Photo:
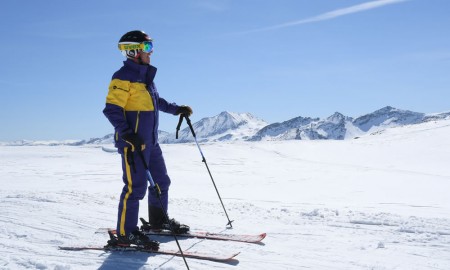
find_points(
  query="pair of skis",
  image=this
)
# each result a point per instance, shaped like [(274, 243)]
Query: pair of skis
[(193, 234), (198, 234)]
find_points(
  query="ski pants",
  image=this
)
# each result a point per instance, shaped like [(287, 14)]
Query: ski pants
[(135, 185)]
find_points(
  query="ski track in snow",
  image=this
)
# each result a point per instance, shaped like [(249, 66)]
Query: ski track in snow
[(380, 202)]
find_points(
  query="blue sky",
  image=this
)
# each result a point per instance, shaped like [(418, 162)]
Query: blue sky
[(274, 59)]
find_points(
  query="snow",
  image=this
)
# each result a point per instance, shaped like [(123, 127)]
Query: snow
[(377, 202)]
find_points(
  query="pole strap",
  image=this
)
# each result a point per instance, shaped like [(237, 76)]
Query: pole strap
[(179, 124), (180, 121)]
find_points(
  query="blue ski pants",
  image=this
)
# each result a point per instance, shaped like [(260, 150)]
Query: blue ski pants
[(135, 185)]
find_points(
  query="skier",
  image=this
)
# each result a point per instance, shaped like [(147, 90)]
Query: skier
[(132, 107)]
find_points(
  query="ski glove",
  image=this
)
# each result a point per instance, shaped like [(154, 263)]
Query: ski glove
[(186, 110), (134, 141)]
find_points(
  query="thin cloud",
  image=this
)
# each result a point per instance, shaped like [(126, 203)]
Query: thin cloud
[(331, 15)]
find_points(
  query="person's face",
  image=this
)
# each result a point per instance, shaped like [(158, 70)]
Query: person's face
[(145, 57)]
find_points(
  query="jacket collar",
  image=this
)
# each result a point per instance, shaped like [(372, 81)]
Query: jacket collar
[(146, 72)]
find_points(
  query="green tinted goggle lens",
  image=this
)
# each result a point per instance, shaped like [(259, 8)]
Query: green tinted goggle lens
[(148, 46)]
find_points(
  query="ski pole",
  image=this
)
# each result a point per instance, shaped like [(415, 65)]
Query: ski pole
[(204, 161), (155, 187), (179, 125)]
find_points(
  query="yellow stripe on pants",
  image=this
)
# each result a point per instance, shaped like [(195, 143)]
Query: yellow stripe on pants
[(130, 190)]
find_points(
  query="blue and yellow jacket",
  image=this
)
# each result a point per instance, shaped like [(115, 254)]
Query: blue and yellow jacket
[(133, 103)]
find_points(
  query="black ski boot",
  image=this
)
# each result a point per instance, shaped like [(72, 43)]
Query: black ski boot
[(137, 238), (157, 222)]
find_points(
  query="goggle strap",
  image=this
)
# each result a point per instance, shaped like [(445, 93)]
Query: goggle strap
[(131, 46)]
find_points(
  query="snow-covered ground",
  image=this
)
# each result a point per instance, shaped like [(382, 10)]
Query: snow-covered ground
[(378, 202)]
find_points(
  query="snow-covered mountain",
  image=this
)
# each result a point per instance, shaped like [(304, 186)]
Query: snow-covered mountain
[(300, 128), (340, 127), (388, 117), (285, 130), (227, 126)]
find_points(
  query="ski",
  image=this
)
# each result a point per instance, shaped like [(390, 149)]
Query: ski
[(213, 236), (187, 254), (246, 238)]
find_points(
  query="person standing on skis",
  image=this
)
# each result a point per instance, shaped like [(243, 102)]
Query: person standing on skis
[(132, 107)]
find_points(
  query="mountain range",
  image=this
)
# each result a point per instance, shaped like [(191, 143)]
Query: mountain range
[(229, 126), (340, 127)]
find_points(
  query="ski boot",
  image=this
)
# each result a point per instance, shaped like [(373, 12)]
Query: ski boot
[(158, 222), (136, 238)]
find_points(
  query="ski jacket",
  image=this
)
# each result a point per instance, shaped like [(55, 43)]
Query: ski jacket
[(133, 103)]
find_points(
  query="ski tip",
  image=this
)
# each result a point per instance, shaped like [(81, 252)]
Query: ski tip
[(263, 235), (231, 258)]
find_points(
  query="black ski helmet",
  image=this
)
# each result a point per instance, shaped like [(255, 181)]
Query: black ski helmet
[(133, 37)]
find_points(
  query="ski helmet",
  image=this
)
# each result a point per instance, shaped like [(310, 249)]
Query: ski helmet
[(134, 42)]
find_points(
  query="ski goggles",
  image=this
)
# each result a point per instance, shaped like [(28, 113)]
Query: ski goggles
[(146, 46)]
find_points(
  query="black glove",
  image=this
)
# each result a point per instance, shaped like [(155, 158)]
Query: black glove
[(134, 140), (186, 110)]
